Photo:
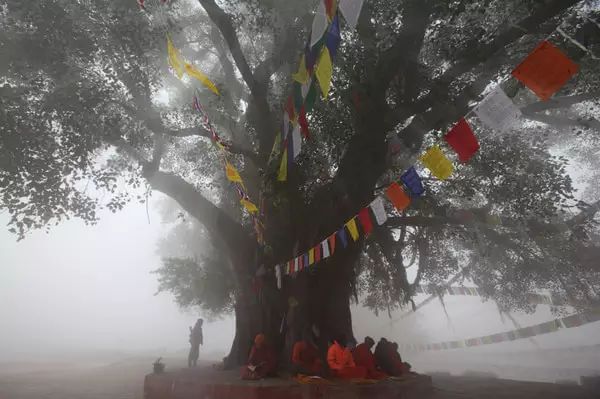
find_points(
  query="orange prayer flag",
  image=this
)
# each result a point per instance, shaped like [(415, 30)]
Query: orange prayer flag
[(545, 70), (397, 196)]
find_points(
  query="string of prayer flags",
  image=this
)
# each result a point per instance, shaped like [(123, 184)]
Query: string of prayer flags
[(352, 229), (545, 70), (435, 160), (324, 71), (174, 58), (351, 10), (232, 173), (201, 77), (378, 211), (462, 139), (365, 221), (397, 196), (497, 111), (412, 181)]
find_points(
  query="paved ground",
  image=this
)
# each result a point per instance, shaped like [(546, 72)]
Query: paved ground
[(124, 380)]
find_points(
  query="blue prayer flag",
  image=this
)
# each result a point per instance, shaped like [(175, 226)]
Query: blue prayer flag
[(413, 182), (343, 236)]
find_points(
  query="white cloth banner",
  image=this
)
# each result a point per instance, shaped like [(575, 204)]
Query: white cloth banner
[(296, 141), (497, 111), (351, 10), (379, 211), (319, 25), (305, 88), (324, 249), (278, 275)]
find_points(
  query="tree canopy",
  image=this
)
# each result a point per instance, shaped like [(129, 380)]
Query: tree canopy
[(88, 100)]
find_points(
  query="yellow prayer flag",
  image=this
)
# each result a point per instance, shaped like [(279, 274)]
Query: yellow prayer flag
[(195, 73), (311, 256), (435, 160), (250, 207), (324, 70), (174, 58), (352, 228), (282, 176), (276, 145), (302, 75), (232, 173)]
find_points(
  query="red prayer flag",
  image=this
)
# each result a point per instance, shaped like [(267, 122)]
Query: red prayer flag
[(303, 123), (397, 195), (317, 250), (462, 139), (331, 240), (545, 70), (365, 221), (289, 108), (330, 8)]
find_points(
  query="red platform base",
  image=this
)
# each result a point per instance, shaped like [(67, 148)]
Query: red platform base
[(206, 383)]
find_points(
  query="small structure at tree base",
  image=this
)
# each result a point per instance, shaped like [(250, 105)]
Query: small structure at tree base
[(200, 383)]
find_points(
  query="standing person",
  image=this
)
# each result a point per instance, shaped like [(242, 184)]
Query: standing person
[(196, 339)]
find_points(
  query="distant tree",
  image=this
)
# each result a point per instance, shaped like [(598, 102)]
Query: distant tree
[(82, 111)]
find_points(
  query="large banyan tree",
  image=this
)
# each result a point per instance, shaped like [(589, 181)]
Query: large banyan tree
[(91, 114)]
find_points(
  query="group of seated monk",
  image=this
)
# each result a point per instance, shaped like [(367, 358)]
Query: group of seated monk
[(342, 362)]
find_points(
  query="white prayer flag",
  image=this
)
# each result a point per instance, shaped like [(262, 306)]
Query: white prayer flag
[(324, 249), (497, 111), (278, 275), (286, 124), (351, 10), (319, 25), (305, 88), (295, 264), (296, 141), (378, 210)]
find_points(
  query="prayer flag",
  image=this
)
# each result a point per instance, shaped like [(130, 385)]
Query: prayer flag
[(497, 111), (352, 228), (297, 261), (311, 256), (343, 237), (275, 149), (413, 182), (296, 142), (319, 25), (249, 205), (278, 275), (174, 58), (303, 122), (435, 160), (289, 108), (282, 175), (331, 240), (324, 70), (305, 88), (305, 261), (351, 10), (397, 196), (317, 250), (330, 8), (302, 75), (311, 97), (545, 70), (298, 99), (286, 126), (365, 221), (195, 73), (325, 248), (332, 38), (232, 173), (462, 140), (379, 211), (311, 54)]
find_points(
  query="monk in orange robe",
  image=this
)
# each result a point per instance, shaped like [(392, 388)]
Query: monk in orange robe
[(340, 361), (261, 362), (364, 357), (305, 357)]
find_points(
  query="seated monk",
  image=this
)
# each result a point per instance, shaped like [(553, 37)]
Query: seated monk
[(364, 358), (340, 360), (400, 367), (261, 362), (305, 357), (383, 360)]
